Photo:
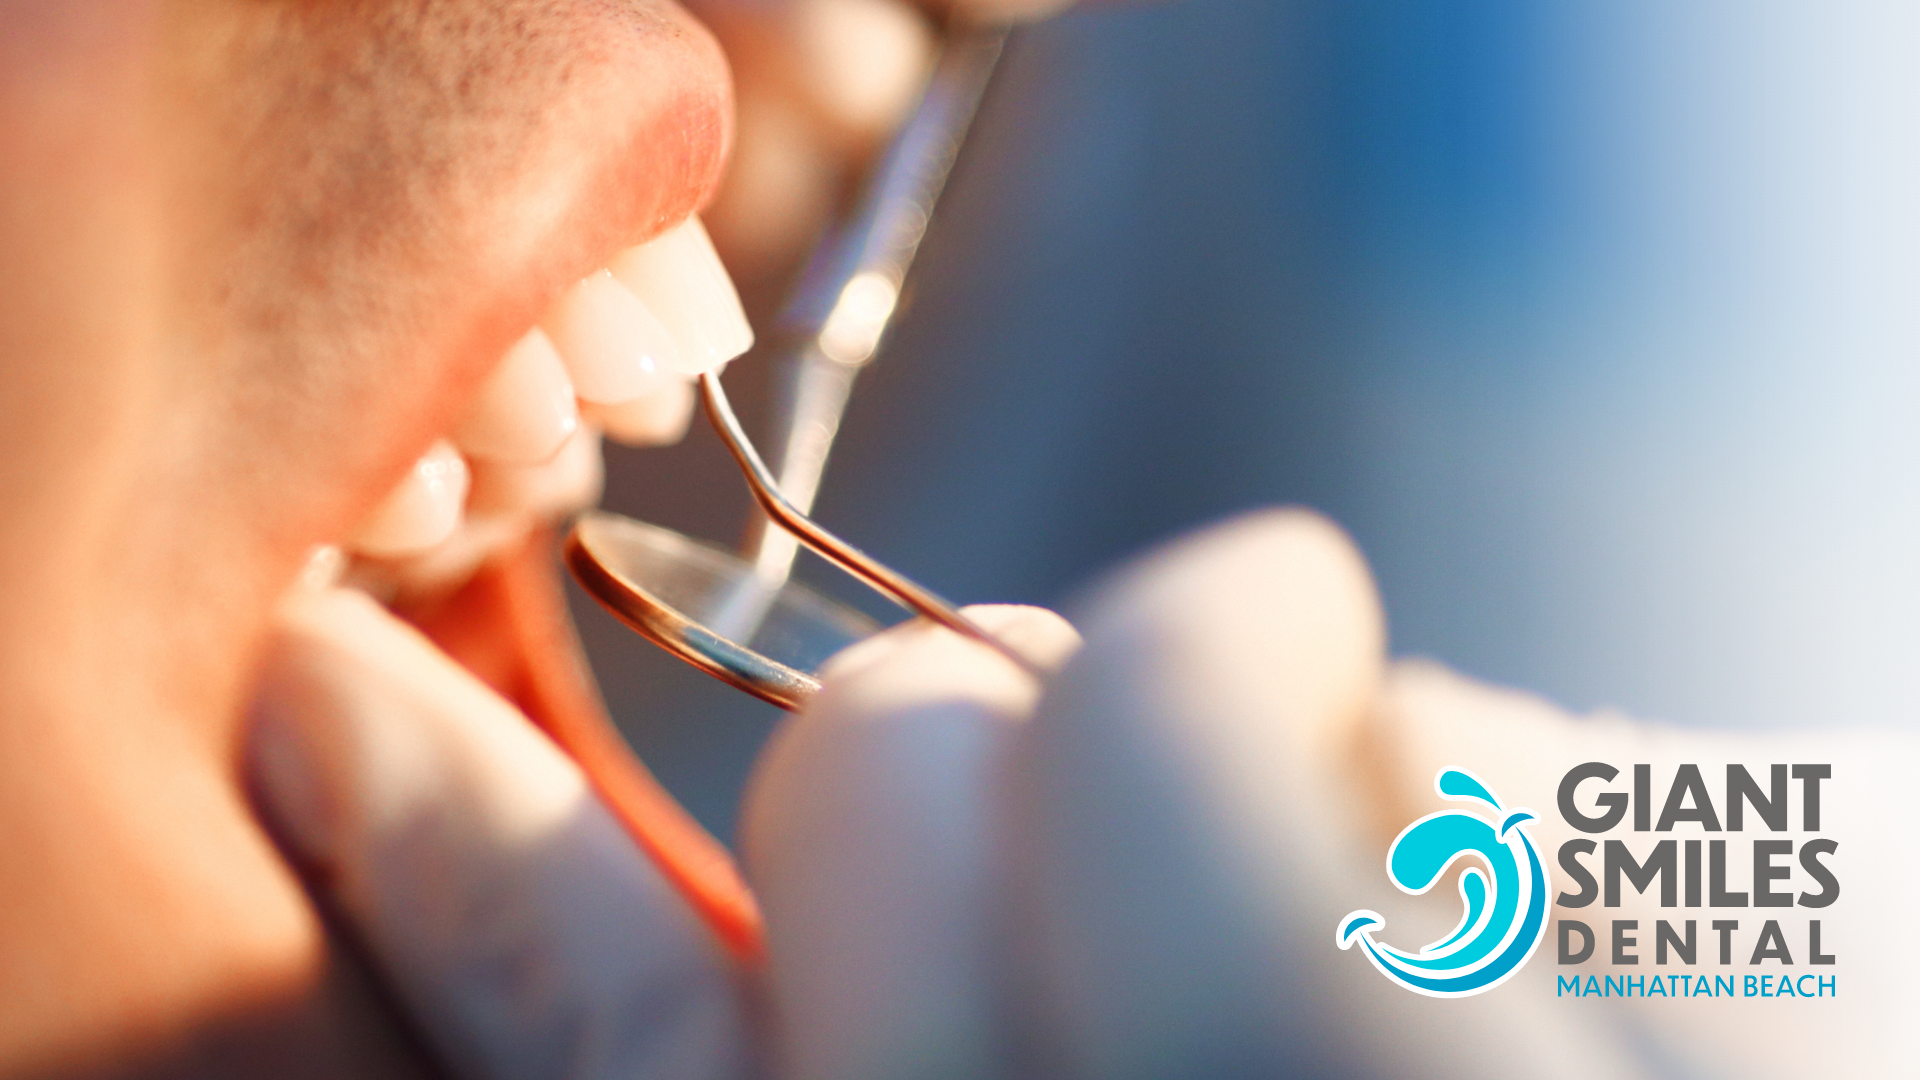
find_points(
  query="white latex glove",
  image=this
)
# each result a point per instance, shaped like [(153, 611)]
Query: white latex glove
[(1142, 878), (1136, 873), (513, 917), (819, 86)]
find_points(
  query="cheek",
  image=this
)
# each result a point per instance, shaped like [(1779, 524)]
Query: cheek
[(79, 229)]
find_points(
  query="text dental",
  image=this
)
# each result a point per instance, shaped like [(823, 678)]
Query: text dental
[(1693, 874)]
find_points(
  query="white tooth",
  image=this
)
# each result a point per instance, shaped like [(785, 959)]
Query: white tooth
[(441, 570), (659, 419), (505, 502), (422, 511), (565, 485), (613, 345), (679, 277), (525, 409), (324, 566)]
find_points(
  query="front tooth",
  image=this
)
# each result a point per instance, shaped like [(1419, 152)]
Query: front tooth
[(679, 277), (525, 409), (422, 511), (659, 419), (613, 345), (503, 503), (324, 566), (569, 483)]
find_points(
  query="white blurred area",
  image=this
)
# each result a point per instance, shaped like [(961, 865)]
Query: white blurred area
[(1662, 451)]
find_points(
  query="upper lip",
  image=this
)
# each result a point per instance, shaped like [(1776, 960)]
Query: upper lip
[(603, 127), (380, 236), (632, 141), (622, 138)]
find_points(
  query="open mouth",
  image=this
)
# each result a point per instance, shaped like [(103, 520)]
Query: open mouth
[(498, 270), (461, 546), (616, 356)]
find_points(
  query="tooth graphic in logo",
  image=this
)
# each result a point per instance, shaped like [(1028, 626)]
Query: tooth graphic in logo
[(1505, 918)]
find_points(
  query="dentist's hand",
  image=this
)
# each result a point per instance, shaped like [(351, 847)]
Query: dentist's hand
[(511, 915), (1141, 875), (1133, 871), (514, 919), (819, 86)]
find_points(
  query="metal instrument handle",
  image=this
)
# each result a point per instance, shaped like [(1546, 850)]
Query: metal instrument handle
[(850, 290)]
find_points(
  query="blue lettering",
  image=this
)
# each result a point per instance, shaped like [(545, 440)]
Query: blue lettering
[(1722, 985), (1800, 985), (1786, 986), (1829, 982), (1562, 984), (1752, 986), (1593, 987)]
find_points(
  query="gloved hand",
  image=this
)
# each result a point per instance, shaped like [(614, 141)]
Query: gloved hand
[(819, 87), (512, 916), (1133, 871)]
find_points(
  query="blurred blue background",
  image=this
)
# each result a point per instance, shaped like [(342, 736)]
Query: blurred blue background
[(1597, 324)]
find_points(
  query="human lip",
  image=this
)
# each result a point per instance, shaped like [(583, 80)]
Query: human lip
[(594, 334)]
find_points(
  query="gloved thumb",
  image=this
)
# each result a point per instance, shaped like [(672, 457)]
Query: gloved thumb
[(510, 913)]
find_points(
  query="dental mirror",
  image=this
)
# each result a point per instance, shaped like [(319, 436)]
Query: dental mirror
[(739, 616)]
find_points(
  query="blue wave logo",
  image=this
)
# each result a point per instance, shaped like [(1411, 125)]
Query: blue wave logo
[(1506, 913)]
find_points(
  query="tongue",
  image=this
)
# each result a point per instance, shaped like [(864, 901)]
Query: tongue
[(510, 627)]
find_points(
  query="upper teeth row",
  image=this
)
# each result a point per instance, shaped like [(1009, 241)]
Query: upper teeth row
[(619, 349)]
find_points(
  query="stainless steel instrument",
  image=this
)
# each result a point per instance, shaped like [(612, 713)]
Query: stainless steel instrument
[(740, 617)]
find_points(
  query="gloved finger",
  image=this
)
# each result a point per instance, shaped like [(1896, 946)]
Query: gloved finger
[(1193, 806), (867, 836), (851, 68), (819, 85), (819, 88), (510, 913), (998, 11)]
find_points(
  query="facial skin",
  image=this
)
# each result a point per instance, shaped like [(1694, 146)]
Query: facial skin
[(259, 254)]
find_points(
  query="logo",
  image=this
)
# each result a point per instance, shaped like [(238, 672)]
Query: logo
[(1506, 914)]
